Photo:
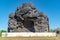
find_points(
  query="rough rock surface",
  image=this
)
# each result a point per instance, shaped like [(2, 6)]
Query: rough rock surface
[(28, 19)]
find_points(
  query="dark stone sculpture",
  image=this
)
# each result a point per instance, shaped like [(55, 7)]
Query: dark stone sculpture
[(28, 19)]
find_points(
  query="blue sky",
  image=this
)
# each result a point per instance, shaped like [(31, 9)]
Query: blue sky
[(50, 7)]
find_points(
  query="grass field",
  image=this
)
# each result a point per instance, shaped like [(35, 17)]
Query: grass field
[(29, 38)]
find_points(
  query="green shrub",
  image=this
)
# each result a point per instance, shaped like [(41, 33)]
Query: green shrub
[(2, 31)]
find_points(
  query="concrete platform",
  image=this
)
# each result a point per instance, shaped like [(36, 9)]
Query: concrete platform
[(28, 34)]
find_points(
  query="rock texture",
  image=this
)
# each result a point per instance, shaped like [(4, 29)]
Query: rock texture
[(28, 19)]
